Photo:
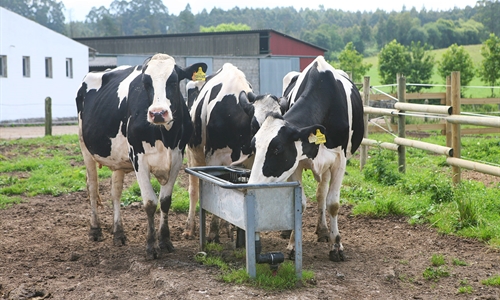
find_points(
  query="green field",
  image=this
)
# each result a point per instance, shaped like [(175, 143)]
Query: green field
[(476, 89)]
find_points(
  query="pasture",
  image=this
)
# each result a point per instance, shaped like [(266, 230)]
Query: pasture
[(395, 249)]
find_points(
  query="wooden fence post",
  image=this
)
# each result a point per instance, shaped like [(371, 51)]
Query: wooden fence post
[(366, 102), (455, 127), (448, 103), (401, 123), (48, 116)]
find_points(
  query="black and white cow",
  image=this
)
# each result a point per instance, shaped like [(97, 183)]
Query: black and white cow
[(226, 114), (134, 118), (321, 130)]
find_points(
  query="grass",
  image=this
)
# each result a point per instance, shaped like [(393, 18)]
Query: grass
[(492, 281), (438, 260), (435, 274), (458, 262), (283, 278), (425, 193), (464, 287)]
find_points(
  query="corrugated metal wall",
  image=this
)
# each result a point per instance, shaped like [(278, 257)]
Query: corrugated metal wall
[(272, 71), (240, 44)]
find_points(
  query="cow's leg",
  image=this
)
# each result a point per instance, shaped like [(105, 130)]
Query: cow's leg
[(95, 233), (194, 191), (333, 206), (164, 242), (150, 203), (119, 237), (213, 233), (194, 194), (321, 193)]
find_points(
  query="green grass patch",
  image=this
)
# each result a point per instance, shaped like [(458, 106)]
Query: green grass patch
[(180, 196), (50, 165), (438, 260), (464, 287), (231, 264), (6, 201), (458, 262), (492, 281), (435, 274), (425, 194)]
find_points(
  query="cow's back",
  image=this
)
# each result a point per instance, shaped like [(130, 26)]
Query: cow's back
[(102, 103), (324, 95), (219, 119)]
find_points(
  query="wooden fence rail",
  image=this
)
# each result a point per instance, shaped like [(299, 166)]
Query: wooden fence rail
[(451, 121)]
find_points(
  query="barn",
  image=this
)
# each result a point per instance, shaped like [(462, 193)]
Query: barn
[(265, 56), (35, 63)]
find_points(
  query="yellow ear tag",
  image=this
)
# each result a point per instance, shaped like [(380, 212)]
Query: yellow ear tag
[(199, 75), (318, 138)]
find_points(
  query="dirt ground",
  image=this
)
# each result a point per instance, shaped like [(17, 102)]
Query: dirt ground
[(45, 254)]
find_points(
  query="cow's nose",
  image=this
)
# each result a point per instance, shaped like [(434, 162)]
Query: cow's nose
[(158, 116)]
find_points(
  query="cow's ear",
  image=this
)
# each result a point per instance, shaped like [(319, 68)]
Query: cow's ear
[(251, 97), (245, 104), (314, 134), (284, 103), (188, 72), (145, 63)]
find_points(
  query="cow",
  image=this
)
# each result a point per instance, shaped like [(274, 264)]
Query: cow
[(322, 128), (226, 114), (193, 88), (134, 118)]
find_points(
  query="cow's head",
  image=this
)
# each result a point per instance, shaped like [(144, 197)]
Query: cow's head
[(279, 147), (161, 77), (258, 107)]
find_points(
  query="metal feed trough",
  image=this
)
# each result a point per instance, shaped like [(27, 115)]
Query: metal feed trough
[(252, 207)]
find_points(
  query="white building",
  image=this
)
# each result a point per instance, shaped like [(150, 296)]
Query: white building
[(35, 63)]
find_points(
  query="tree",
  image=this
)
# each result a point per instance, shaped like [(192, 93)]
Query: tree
[(420, 66), (489, 14), (392, 59), (489, 71), (103, 23), (48, 13), (351, 61), (457, 59), (225, 27), (186, 21)]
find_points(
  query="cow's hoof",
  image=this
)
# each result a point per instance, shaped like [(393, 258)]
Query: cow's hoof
[(336, 255), (212, 238), (291, 255), (151, 253), (166, 247), (95, 234), (119, 239), (285, 234), (188, 234), (323, 235)]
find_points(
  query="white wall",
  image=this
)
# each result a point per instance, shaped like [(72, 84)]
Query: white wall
[(24, 98)]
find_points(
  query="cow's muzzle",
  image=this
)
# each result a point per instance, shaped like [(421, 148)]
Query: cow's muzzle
[(158, 117)]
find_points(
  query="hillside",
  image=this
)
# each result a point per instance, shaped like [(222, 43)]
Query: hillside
[(473, 50)]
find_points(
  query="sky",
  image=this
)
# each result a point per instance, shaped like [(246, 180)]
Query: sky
[(76, 10)]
